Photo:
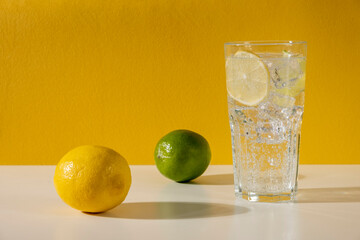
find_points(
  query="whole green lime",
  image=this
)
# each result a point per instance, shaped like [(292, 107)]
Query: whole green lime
[(182, 155)]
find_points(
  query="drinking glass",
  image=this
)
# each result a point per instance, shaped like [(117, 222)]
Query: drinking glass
[(265, 83)]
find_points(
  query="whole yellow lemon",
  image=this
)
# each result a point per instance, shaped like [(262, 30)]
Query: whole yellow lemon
[(92, 178)]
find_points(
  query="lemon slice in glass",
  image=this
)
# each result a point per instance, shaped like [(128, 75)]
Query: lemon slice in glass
[(247, 78)]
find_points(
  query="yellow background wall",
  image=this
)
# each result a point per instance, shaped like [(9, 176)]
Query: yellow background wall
[(124, 73)]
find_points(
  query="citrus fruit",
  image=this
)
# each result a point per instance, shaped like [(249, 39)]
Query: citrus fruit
[(92, 178), (247, 78), (182, 155)]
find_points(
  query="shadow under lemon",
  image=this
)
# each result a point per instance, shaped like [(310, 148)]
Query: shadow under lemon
[(172, 210)]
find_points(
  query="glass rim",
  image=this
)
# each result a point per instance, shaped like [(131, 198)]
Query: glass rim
[(264, 43)]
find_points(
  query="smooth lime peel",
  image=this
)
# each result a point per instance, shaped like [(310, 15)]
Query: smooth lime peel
[(182, 155)]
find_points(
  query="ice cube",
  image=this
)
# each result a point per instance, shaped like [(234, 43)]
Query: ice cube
[(276, 106), (270, 132), (284, 72), (266, 110), (282, 101)]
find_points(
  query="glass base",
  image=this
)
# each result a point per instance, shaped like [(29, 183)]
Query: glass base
[(256, 197)]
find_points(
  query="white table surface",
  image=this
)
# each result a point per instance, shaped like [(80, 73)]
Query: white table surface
[(328, 207)]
